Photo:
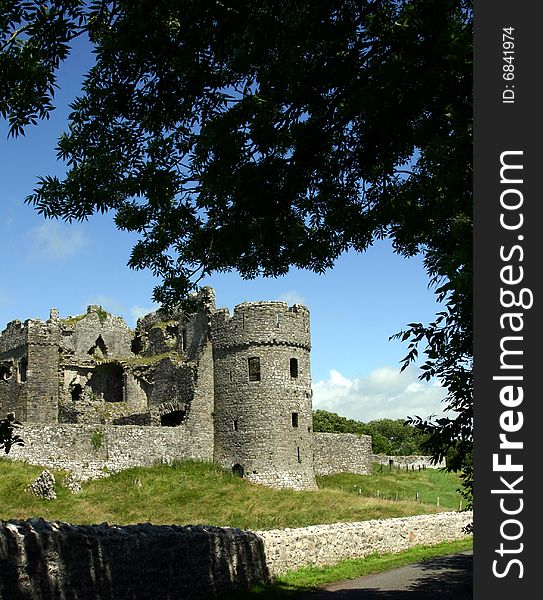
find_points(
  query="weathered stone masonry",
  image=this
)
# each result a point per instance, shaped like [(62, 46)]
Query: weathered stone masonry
[(235, 389), (41, 560)]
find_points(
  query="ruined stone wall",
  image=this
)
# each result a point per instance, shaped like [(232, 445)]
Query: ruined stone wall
[(201, 417), (290, 549), (263, 418), (97, 333), (101, 393), (42, 372), (13, 350), (91, 451), (41, 561), (342, 453), (172, 330)]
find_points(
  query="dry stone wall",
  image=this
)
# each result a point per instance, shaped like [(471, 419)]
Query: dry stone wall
[(290, 549), (45, 561), (42, 560)]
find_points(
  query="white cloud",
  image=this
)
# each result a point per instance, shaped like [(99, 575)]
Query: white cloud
[(55, 241), (140, 311), (384, 394), (292, 297)]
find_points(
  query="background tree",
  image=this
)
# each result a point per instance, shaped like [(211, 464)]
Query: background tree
[(259, 135), (389, 436)]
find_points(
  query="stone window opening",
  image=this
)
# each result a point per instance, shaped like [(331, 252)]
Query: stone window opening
[(294, 367), (172, 419), (77, 392), (295, 419), (277, 319), (254, 368), (137, 345), (107, 382), (22, 368), (5, 371), (235, 424), (299, 455), (99, 348), (183, 340), (238, 470)]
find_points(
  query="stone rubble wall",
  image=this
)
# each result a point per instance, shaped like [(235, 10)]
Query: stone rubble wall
[(14, 336), (91, 451), (342, 453), (80, 336), (41, 560), (290, 549)]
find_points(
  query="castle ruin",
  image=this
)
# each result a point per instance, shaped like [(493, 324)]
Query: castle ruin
[(233, 389)]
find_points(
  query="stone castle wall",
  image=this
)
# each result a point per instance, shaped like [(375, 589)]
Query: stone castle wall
[(237, 386), (43, 560), (13, 357), (262, 323), (91, 451), (42, 386), (80, 335), (342, 453), (263, 418)]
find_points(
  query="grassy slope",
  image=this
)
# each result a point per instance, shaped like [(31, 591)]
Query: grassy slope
[(201, 493), (429, 484)]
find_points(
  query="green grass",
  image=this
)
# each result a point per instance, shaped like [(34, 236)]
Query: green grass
[(427, 485), (309, 578), (200, 493)]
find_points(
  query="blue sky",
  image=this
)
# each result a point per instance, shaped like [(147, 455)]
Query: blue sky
[(355, 307)]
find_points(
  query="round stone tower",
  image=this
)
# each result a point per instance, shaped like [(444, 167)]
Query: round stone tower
[(263, 416)]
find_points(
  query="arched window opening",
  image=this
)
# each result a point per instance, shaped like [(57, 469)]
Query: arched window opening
[(99, 349)]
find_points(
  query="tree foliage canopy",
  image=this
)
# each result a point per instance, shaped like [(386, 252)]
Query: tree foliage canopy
[(393, 437), (259, 135)]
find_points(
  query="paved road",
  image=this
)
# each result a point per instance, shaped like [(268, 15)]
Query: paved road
[(444, 577)]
